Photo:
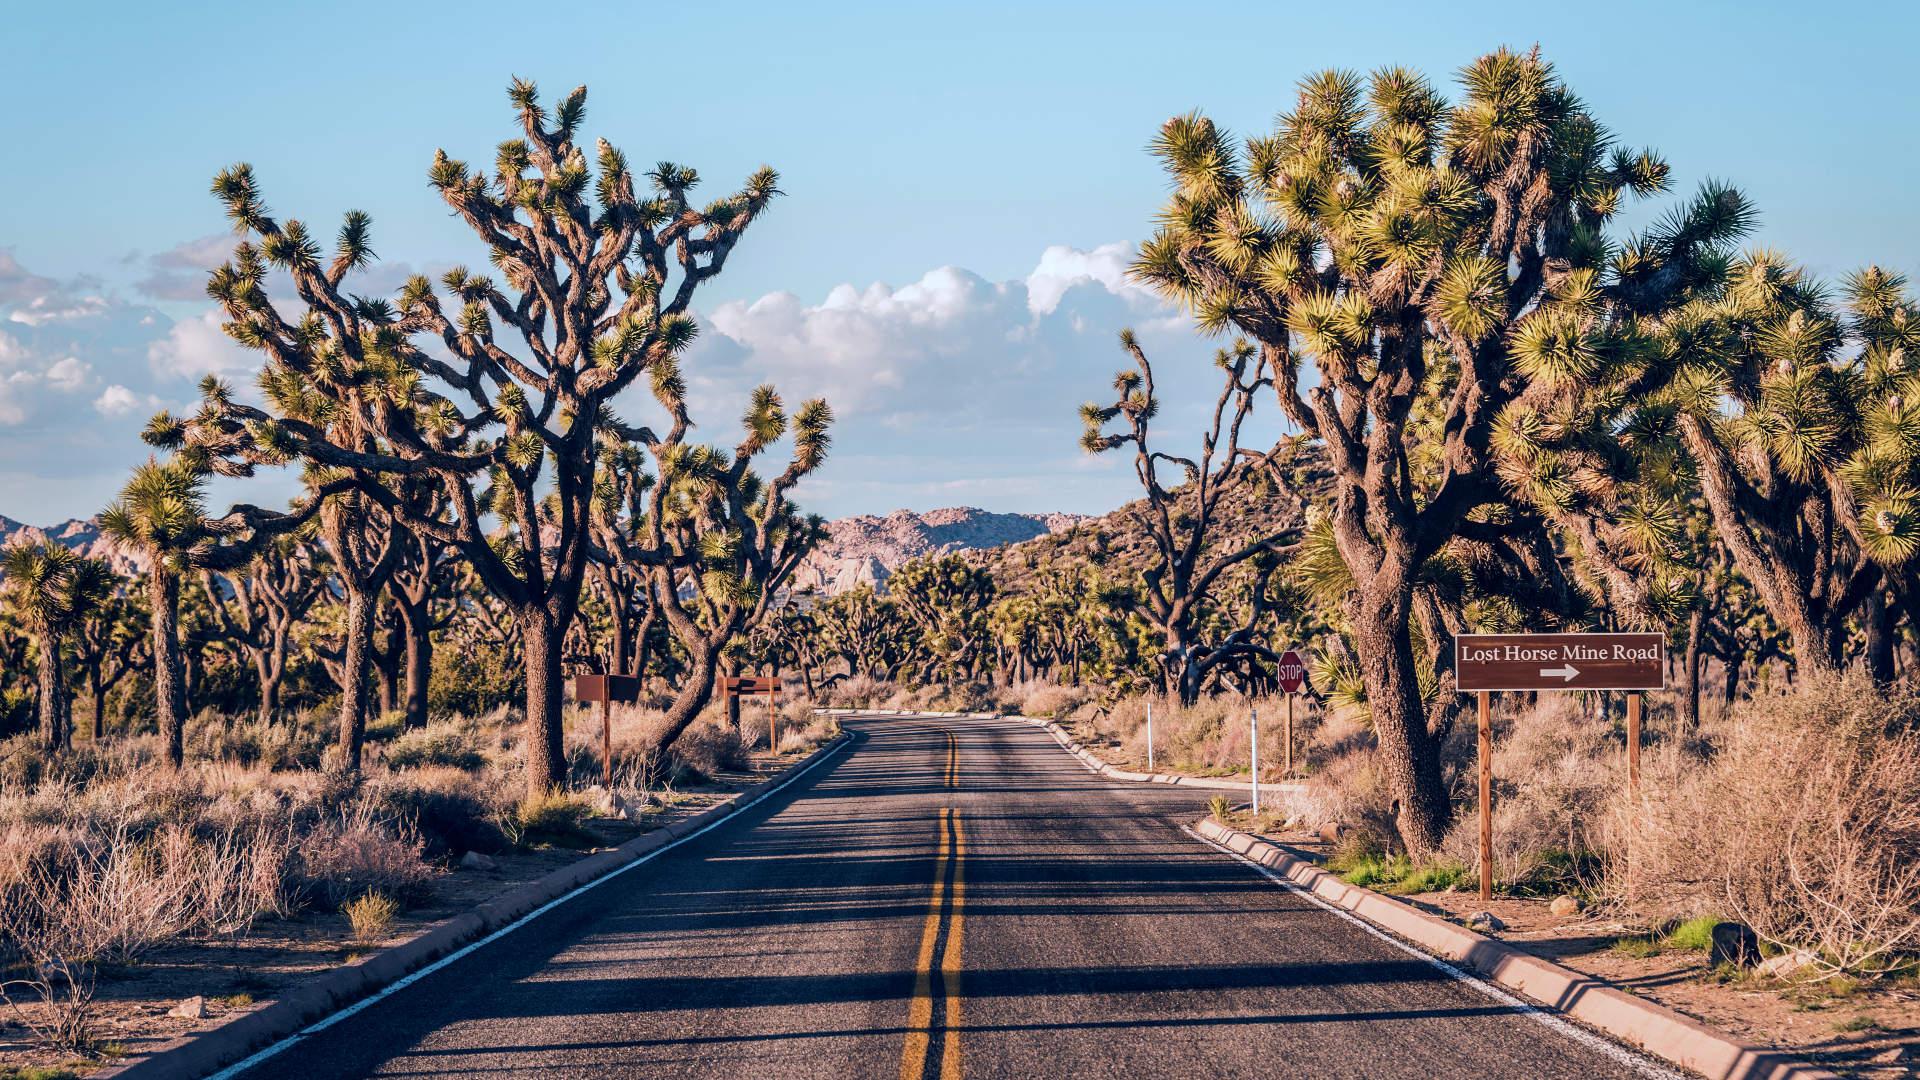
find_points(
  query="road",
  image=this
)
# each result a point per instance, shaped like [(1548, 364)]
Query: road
[(945, 897)]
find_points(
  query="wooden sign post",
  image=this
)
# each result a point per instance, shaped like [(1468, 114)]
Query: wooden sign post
[(606, 689), (1292, 673), (760, 685), (1534, 662)]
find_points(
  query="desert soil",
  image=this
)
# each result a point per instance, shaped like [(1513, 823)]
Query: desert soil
[(277, 956), (1864, 1031)]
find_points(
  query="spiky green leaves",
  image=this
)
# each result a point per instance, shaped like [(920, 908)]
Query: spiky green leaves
[(764, 419), (235, 187), (810, 437), (1332, 326), (1472, 298)]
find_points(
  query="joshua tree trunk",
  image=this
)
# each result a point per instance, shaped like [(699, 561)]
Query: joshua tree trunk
[(353, 678), (545, 757), (1690, 678), (56, 718), (163, 590), (417, 624)]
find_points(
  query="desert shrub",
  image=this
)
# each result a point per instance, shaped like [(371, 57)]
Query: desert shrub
[(453, 810), (1806, 824), (709, 746), (555, 818), (962, 697), (372, 917), (389, 726), (1053, 700), (359, 853), (861, 692), (473, 685), (1557, 774), (439, 744)]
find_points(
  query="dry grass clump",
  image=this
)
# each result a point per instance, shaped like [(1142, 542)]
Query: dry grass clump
[(1557, 772), (1804, 824), (372, 917)]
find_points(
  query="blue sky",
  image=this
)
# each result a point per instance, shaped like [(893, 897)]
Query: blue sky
[(979, 162)]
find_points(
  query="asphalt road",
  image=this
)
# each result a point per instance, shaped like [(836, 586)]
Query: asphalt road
[(946, 897)]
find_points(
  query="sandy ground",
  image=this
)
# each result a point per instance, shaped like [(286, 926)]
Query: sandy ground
[(1866, 1031), (131, 1003)]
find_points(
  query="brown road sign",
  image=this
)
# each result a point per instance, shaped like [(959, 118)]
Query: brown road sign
[(606, 688), (1560, 661), (1291, 671), (752, 685)]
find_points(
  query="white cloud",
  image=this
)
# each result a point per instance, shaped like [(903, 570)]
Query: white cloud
[(42, 310), (196, 347), (119, 401), (1061, 268), (69, 374), (954, 384)]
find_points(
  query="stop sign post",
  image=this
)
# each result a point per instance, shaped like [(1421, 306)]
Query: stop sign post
[(1292, 672)]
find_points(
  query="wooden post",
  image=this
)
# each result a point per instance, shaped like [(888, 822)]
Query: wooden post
[(773, 724), (1633, 744), (1486, 798)]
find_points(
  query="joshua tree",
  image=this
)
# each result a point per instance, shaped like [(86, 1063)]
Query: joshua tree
[(50, 589), (1812, 479), (948, 599), (161, 513), (274, 594), (1379, 231), (1173, 590), (108, 645), (565, 253)]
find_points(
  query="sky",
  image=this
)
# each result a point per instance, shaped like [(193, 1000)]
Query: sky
[(963, 186)]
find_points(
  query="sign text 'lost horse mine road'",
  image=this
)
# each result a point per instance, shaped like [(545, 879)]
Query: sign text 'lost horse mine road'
[(1560, 661)]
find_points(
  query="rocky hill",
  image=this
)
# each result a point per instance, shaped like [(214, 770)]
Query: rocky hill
[(867, 549), (83, 537)]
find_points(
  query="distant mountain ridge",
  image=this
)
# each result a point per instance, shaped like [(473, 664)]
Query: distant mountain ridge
[(865, 549), (84, 537)]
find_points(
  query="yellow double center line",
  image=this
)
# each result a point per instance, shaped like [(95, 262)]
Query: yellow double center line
[(924, 1020), (948, 901)]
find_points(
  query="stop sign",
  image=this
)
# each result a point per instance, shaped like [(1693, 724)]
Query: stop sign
[(1291, 671)]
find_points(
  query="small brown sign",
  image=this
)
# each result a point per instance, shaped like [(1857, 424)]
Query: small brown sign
[(606, 688), (1560, 661), (753, 685)]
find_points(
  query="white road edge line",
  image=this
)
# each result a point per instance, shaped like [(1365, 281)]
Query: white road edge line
[(1594, 1042), (243, 1065)]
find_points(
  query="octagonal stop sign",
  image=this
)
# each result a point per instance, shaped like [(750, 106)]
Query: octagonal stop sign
[(1292, 671)]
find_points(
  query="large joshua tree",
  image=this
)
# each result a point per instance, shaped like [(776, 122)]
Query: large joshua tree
[(596, 293), (1388, 236)]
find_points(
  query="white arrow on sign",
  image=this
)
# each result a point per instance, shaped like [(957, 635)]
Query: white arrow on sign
[(1566, 673)]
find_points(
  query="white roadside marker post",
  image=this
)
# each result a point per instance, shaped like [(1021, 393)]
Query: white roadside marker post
[(1253, 717), (1149, 738)]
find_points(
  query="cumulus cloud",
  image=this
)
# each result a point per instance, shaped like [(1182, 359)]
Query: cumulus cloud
[(1061, 268), (955, 388), (120, 401), (196, 347), (69, 374)]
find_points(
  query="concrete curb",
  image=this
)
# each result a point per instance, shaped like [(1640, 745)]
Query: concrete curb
[(202, 1053), (1104, 769), (1637, 1022)]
